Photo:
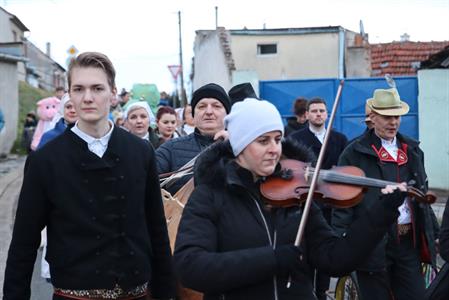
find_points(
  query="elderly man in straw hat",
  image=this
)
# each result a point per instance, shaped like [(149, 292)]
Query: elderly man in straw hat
[(393, 267)]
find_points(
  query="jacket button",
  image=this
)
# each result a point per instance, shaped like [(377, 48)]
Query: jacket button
[(94, 218), (122, 197), (131, 253), (97, 253), (123, 216), (122, 234), (85, 180), (91, 200), (97, 272), (98, 237), (117, 159), (136, 272), (121, 177), (415, 174)]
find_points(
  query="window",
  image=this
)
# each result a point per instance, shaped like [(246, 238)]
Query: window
[(263, 49), (14, 36)]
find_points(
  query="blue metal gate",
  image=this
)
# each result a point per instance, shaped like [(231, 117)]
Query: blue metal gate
[(351, 111)]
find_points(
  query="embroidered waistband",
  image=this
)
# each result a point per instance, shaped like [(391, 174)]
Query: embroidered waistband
[(116, 293)]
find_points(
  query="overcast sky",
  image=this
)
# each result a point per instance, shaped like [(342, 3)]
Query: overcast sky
[(141, 36)]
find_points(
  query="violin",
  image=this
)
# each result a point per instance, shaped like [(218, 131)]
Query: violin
[(341, 187)]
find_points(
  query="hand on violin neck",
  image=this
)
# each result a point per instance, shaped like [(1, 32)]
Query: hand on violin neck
[(286, 174), (393, 195), (290, 261)]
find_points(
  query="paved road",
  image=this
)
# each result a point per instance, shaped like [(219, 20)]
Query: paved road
[(11, 172), (10, 183)]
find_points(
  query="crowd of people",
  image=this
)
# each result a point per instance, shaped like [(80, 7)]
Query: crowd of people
[(93, 183)]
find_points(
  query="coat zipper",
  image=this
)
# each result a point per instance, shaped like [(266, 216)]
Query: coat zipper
[(272, 244)]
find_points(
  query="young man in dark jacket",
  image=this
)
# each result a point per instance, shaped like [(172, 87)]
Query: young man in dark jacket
[(393, 267), (96, 189), (210, 104)]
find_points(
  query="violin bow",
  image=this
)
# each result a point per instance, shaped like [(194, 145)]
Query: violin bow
[(305, 214)]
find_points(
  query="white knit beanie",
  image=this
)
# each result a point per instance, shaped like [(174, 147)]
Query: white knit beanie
[(248, 120)]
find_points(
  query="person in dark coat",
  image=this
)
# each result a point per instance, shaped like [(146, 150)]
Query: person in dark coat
[(231, 245), (393, 267), (439, 287), (29, 127), (313, 136), (299, 120), (210, 104), (96, 189), (241, 91)]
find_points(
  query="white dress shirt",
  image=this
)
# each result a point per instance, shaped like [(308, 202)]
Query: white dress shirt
[(97, 146), (319, 134), (391, 147)]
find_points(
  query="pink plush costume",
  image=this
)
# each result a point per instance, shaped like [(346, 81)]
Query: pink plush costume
[(46, 109)]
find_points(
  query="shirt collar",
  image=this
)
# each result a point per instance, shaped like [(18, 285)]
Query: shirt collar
[(104, 140), (391, 143), (320, 132), (146, 136)]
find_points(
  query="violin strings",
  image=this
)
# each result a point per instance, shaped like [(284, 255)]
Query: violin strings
[(352, 179)]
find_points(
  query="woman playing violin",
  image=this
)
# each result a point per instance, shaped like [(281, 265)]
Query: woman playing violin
[(231, 245)]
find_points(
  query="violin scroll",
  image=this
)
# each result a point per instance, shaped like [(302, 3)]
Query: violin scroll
[(427, 198)]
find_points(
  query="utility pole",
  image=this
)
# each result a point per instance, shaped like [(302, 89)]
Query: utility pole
[(181, 73), (216, 17)]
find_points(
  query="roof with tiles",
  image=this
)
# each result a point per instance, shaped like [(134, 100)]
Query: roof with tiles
[(402, 58)]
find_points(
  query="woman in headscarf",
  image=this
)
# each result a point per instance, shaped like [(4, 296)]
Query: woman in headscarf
[(231, 245), (137, 121)]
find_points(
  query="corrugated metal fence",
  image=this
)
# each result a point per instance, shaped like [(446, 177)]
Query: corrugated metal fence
[(351, 111)]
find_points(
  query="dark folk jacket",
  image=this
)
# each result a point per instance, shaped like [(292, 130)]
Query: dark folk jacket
[(224, 246), (361, 154), (174, 154), (104, 217)]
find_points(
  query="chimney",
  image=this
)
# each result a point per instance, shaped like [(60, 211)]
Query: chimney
[(48, 52), (405, 37)]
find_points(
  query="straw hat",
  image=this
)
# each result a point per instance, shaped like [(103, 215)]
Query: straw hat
[(387, 103)]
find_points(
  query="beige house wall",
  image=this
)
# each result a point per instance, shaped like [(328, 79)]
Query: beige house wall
[(8, 28), (6, 34), (9, 103), (210, 64), (358, 62), (298, 56)]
